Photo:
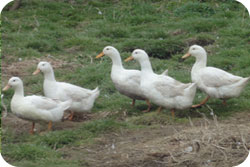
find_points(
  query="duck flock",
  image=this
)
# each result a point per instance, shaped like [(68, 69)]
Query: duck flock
[(160, 89)]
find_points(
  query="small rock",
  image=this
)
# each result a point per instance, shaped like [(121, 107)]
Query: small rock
[(113, 146), (188, 149)]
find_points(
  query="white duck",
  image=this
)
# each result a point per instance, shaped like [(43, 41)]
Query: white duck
[(82, 99), (214, 82), (127, 82), (35, 108), (163, 90)]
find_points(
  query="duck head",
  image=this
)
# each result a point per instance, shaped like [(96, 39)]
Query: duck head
[(44, 67), (196, 51), (14, 82), (110, 51), (138, 55)]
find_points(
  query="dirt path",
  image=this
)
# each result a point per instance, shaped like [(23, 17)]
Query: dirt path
[(205, 143), (19, 126)]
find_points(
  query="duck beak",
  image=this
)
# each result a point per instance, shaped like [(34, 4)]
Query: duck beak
[(100, 55), (128, 59), (36, 72), (186, 56), (6, 87)]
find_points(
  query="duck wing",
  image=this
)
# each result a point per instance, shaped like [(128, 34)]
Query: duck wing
[(76, 93), (214, 77), (43, 103), (169, 87), (134, 78)]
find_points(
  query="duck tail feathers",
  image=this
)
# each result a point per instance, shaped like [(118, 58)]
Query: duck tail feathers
[(246, 81), (66, 104), (243, 82), (191, 86), (96, 92), (191, 90), (165, 72)]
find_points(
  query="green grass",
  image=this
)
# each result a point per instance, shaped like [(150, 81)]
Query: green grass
[(51, 162), (31, 149), (1, 89), (74, 31), (155, 119), (29, 152), (85, 134)]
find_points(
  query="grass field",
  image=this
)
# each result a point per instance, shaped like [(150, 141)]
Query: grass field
[(70, 33)]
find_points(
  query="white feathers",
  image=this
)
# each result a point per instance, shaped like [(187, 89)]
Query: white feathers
[(161, 89), (214, 81), (82, 99), (35, 108)]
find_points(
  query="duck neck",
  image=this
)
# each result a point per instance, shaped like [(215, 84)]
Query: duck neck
[(19, 92), (49, 75), (146, 66), (116, 62), (200, 62)]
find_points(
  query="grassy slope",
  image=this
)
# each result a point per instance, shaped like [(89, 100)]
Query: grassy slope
[(74, 31)]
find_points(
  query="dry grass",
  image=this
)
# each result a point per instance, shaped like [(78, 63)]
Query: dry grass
[(22, 67), (206, 142)]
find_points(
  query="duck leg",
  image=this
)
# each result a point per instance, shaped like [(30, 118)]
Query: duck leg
[(133, 103), (71, 116), (173, 112), (149, 106), (49, 126), (202, 103), (159, 109), (32, 128)]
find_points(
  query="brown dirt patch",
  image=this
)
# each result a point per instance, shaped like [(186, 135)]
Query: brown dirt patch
[(80, 117), (204, 142), (202, 42), (23, 67), (177, 32), (20, 126)]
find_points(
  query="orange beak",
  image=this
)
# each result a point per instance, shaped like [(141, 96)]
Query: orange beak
[(6, 87), (100, 55), (129, 59), (36, 72), (186, 56)]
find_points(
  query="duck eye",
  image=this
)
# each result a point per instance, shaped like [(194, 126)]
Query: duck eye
[(14, 80), (107, 48), (43, 64), (193, 49), (136, 52)]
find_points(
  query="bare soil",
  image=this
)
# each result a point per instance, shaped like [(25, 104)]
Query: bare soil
[(204, 142), (201, 143), (20, 126), (21, 68)]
